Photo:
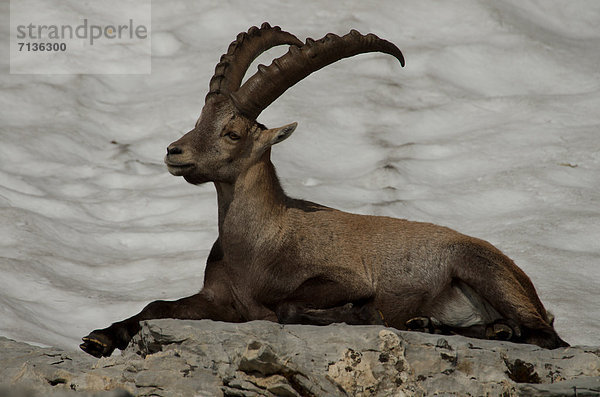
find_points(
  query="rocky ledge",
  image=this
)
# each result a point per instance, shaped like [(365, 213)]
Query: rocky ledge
[(206, 358)]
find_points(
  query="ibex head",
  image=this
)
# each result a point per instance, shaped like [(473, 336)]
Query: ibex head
[(227, 139)]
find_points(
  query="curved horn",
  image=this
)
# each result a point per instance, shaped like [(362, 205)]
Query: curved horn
[(232, 67), (271, 81)]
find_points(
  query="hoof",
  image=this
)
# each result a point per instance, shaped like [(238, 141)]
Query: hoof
[(503, 330), (97, 344), (369, 315), (498, 332), (420, 324), (429, 325)]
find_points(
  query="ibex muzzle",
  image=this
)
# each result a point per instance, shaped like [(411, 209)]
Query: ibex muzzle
[(294, 261)]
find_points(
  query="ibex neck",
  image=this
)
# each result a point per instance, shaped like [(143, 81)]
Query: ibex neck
[(254, 199)]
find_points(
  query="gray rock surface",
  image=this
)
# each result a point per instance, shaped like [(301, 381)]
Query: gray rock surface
[(206, 358)]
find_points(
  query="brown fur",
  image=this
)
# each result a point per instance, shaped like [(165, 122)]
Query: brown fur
[(287, 260)]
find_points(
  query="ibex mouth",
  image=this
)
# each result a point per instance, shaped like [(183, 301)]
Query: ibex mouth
[(179, 169)]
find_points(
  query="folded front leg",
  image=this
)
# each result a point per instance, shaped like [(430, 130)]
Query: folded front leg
[(357, 313)]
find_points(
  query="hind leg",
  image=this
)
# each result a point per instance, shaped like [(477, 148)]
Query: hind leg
[(497, 280), (459, 310), (501, 329), (466, 312)]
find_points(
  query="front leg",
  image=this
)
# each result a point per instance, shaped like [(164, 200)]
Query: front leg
[(208, 304), (322, 301), (357, 313), (214, 302)]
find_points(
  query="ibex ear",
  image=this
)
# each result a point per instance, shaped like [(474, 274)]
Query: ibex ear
[(276, 135)]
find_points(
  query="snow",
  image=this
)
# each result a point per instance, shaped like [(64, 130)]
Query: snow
[(492, 128)]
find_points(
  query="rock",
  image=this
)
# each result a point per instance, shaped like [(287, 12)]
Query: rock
[(206, 358)]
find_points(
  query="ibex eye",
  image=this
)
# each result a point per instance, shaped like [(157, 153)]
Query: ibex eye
[(233, 136)]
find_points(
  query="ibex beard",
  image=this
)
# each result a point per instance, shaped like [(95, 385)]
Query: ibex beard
[(293, 261)]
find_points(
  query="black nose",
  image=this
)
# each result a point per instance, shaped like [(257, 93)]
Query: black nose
[(174, 150)]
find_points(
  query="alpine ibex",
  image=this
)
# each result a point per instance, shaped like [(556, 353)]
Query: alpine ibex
[(294, 261)]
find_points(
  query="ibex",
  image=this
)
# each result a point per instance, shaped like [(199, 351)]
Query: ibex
[(293, 261)]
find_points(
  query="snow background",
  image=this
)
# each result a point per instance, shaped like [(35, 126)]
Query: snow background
[(492, 128)]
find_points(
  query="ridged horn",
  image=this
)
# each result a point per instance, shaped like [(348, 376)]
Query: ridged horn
[(232, 66), (271, 81)]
